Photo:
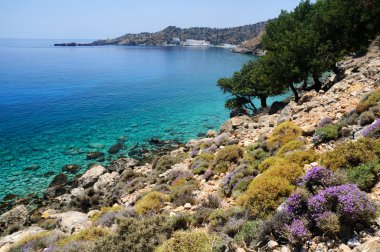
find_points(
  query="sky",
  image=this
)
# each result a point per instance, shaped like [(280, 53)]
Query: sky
[(97, 19)]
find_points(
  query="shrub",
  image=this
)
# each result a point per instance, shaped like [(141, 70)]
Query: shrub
[(302, 157), (265, 194), (221, 167), (326, 133), (230, 153), (282, 134), (288, 171), (135, 235), (365, 176), (237, 181), (202, 163), (183, 193), (190, 241), (105, 210), (352, 154), (152, 202), (88, 234), (297, 232), (248, 233), (350, 118), (37, 242), (366, 118), (328, 222), (324, 121), (320, 178), (109, 218), (291, 146), (376, 110), (369, 101), (269, 162), (273, 227), (218, 218), (372, 131), (213, 202), (165, 162)]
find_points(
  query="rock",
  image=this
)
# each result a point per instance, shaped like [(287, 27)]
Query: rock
[(116, 148), (172, 214), (308, 131), (187, 206), (307, 97), (344, 248), (353, 242), (71, 168), (272, 244), (211, 133), (47, 213), (372, 245), (106, 180), (240, 250), (92, 213), (286, 114), (91, 176), (345, 131), (9, 197), (94, 155), (285, 249), (121, 164), (71, 221), (16, 217), (77, 192), (276, 106), (7, 241), (57, 187)]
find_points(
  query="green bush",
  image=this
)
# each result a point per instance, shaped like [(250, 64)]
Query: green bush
[(190, 241), (136, 235), (291, 146), (231, 153), (289, 171), (265, 194), (283, 134), (151, 202), (267, 163), (105, 210), (165, 162), (352, 154), (365, 176), (370, 101), (181, 194), (302, 157), (366, 118), (327, 133), (248, 233), (36, 242), (202, 163), (88, 234)]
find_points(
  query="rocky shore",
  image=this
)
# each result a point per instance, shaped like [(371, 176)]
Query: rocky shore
[(87, 201)]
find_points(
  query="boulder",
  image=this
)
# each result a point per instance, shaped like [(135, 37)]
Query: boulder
[(94, 155), (106, 180), (16, 217), (372, 245), (71, 221), (121, 164), (7, 241), (71, 168), (89, 178), (211, 133), (116, 148), (276, 106), (57, 187)]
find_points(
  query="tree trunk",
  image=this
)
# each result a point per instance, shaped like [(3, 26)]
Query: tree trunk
[(317, 83), (304, 85), (296, 96), (263, 101)]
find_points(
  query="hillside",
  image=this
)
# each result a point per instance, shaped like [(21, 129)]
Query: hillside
[(175, 35), (226, 192)]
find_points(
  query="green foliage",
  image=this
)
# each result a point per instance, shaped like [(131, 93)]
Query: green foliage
[(302, 157), (231, 153), (327, 133), (366, 118), (352, 154), (88, 234), (283, 134), (248, 233), (151, 202), (36, 242), (135, 235), (370, 101), (269, 162), (290, 147), (165, 162), (202, 163), (365, 176), (289, 171), (190, 241), (105, 210), (180, 194)]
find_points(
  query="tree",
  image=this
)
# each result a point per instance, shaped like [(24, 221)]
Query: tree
[(251, 82)]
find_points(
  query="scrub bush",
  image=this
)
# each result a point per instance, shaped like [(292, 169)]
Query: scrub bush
[(372, 131), (230, 153), (366, 118), (151, 202), (282, 134), (370, 101), (202, 163), (326, 133), (365, 176), (291, 146)]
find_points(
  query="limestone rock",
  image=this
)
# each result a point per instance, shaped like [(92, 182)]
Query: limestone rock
[(91, 176), (17, 216), (121, 164), (372, 245), (71, 221), (57, 186), (7, 241), (106, 180), (344, 248), (272, 244)]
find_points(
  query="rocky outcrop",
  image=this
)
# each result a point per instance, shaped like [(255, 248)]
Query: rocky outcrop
[(71, 221), (91, 176), (57, 187), (372, 245), (121, 164), (7, 241), (106, 180), (15, 218)]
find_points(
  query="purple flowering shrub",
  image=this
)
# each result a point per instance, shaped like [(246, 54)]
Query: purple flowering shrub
[(373, 130), (324, 204)]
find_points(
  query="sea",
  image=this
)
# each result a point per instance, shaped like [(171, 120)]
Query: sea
[(59, 103)]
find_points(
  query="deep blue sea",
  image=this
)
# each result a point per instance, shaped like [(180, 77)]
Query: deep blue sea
[(58, 103)]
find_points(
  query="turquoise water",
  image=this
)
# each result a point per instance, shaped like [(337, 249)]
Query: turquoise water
[(58, 103)]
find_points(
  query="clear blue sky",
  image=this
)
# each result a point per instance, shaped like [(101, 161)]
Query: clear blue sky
[(111, 18)]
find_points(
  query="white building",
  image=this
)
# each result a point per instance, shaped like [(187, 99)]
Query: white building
[(193, 42)]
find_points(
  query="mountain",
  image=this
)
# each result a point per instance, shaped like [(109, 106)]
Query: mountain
[(175, 35)]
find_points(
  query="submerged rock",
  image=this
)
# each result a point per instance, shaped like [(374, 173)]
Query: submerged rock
[(57, 187), (121, 164), (94, 155), (71, 168), (116, 148)]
